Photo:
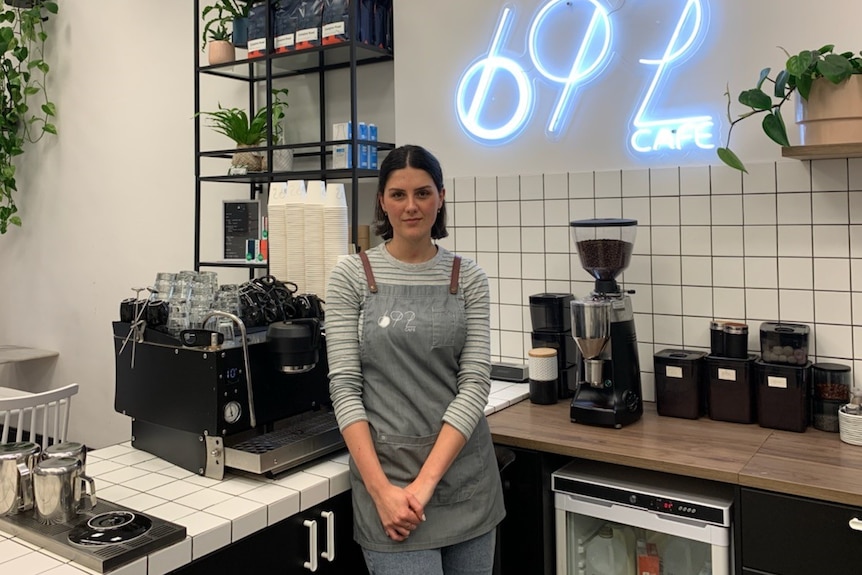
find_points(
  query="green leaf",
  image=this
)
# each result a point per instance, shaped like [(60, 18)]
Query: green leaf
[(31, 90), (803, 84), (50, 7), (764, 74), (781, 84), (15, 220), (835, 68), (50, 128), (755, 98), (773, 126), (731, 159)]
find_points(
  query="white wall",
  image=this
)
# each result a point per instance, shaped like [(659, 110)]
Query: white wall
[(434, 47), (109, 202), (104, 205)]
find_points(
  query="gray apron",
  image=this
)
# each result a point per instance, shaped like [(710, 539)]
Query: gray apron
[(411, 342)]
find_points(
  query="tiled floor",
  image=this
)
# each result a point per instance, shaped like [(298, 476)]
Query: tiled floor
[(214, 513)]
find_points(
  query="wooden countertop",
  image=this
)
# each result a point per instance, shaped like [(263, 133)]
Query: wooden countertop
[(814, 464)]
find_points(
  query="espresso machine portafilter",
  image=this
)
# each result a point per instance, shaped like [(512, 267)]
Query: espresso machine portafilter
[(609, 386), (591, 321)]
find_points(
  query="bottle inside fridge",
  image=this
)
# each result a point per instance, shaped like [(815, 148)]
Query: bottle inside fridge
[(607, 551)]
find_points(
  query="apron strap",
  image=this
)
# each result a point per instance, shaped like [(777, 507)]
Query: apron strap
[(456, 272), (369, 275), (372, 284)]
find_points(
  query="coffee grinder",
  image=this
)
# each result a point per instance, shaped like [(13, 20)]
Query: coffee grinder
[(609, 382)]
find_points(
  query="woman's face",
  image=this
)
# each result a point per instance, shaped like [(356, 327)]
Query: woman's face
[(411, 200)]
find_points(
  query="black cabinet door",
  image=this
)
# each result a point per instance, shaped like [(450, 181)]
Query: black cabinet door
[(525, 539), (348, 555), (336, 515), (285, 547), (787, 535)]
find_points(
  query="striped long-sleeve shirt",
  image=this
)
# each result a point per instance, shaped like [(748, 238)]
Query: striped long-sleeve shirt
[(345, 298)]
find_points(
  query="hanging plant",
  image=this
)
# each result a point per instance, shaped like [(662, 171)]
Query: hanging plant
[(26, 112)]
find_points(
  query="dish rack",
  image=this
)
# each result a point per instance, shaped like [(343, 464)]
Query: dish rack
[(849, 427)]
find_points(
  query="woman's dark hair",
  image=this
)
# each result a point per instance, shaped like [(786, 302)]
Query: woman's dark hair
[(408, 157)]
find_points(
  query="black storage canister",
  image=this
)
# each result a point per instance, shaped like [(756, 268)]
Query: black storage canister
[(716, 337), (731, 392), (783, 397), (735, 340), (679, 383)]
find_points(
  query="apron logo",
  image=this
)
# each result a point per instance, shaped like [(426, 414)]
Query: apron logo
[(394, 317)]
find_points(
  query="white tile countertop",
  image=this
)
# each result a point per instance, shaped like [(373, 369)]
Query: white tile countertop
[(214, 513)]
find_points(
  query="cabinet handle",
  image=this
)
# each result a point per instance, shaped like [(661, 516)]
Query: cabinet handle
[(311, 564), (856, 524), (329, 554)]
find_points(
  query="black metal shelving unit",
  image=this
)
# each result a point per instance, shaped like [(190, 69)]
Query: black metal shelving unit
[(261, 71)]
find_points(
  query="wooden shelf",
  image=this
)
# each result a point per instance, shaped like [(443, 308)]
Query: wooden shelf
[(822, 151)]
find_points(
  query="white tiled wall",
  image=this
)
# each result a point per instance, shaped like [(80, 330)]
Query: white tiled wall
[(782, 243)]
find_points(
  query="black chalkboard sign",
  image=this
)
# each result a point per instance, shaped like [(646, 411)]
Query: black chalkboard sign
[(241, 223)]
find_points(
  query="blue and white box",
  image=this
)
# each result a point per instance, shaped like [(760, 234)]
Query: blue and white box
[(342, 154), (372, 149), (363, 148)]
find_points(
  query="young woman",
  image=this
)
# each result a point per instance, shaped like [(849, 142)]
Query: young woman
[(407, 335)]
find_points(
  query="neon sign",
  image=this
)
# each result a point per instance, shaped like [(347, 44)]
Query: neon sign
[(495, 99)]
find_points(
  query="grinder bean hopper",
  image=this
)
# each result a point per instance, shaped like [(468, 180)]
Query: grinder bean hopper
[(609, 385)]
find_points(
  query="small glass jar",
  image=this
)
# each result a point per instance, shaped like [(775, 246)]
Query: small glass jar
[(831, 390)]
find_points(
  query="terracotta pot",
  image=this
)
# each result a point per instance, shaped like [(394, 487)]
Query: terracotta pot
[(832, 114), (220, 52)]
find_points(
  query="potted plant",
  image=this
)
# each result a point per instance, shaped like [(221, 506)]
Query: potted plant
[(215, 36), (811, 73), (249, 132), (221, 15), (26, 111)]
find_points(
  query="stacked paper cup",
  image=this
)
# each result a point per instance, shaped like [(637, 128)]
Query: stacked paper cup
[(315, 198), (277, 238), (294, 210), (335, 239)]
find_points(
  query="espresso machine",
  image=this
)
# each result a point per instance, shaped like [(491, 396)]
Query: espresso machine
[(608, 392), (258, 403)]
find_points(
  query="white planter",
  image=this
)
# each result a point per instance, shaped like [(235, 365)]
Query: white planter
[(832, 114)]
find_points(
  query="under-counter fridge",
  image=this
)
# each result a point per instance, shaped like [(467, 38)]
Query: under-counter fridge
[(616, 520)]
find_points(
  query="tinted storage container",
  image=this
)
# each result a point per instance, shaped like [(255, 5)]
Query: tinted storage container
[(551, 312), (730, 389), (830, 390), (679, 383), (785, 343), (783, 396)]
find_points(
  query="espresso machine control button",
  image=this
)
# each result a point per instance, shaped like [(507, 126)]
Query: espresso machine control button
[(631, 401), (232, 411)]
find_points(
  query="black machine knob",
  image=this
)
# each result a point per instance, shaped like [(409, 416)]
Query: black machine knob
[(631, 400)]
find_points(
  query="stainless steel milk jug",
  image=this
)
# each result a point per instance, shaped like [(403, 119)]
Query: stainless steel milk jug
[(59, 489), (17, 461)]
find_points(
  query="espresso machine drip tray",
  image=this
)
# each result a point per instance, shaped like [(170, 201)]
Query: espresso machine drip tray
[(295, 440), (102, 539)]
